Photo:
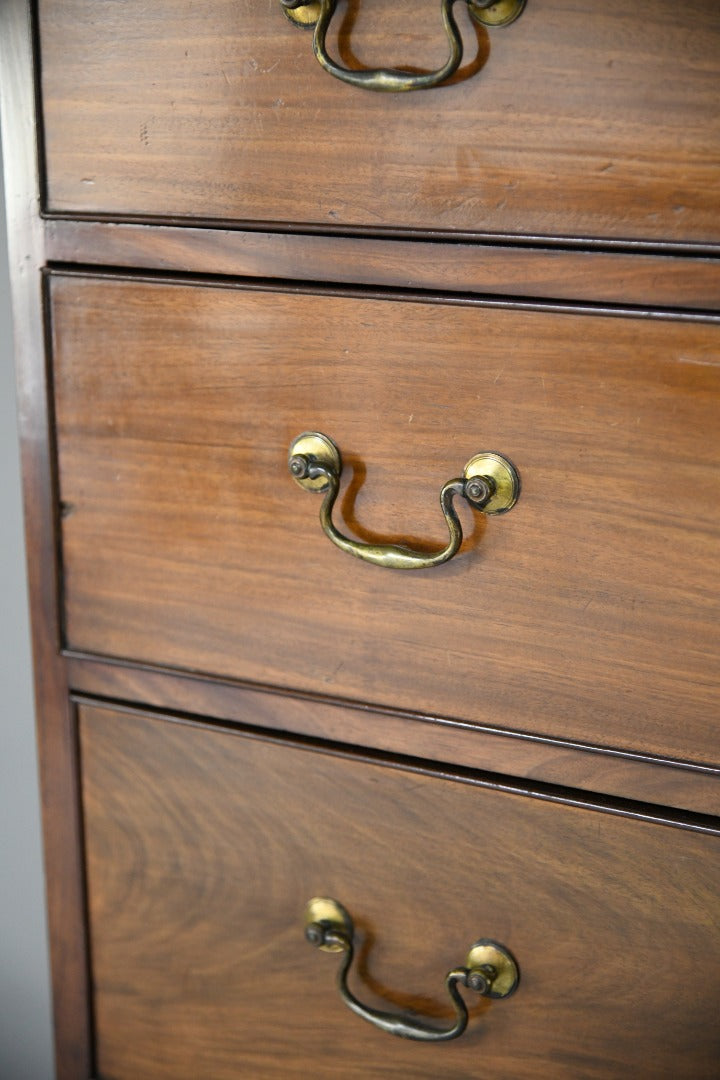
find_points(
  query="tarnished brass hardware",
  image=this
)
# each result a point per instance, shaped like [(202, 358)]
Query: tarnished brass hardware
[(318, 13), (496, 12), (489, 970), (502, 477), (301, 13), (490, 483), (312, 448), (491, 961), (322, 913)]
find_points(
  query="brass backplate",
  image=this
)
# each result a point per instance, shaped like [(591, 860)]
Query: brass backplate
[(328, 912), (502, 13), (305, 16), (486, 953), (504, 476), (318, 448)]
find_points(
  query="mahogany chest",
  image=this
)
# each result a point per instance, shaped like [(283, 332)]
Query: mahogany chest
[(369, 418)]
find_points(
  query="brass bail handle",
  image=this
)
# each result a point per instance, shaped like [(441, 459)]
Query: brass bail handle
[(490, 483), (317, 14), (489, 970)]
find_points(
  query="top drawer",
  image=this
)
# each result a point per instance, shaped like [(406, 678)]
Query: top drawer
[(584, 120)]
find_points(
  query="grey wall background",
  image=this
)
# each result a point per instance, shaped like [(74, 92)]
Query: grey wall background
[(25, 1031)]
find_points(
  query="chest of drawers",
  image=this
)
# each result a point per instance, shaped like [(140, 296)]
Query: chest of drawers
[(217, 247)]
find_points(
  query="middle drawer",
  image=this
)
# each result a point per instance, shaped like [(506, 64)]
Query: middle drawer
[(589, 612)]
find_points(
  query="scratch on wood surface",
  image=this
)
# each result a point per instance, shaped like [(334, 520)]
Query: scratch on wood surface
[(715, 362)]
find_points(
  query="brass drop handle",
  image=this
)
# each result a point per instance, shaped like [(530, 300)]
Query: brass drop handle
[(318, 13), (489, 483), (489, 970)]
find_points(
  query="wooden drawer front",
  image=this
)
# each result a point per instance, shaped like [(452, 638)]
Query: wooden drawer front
[(590, 120), (204, 846), (590, 611)]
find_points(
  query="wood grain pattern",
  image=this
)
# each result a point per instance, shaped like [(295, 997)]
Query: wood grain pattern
[(590, 612), (218, 110), (55, 723), (570, 167), (400, 732), (604, 277), (203, 848)]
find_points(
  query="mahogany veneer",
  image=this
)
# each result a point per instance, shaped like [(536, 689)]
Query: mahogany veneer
[(203, 848), (215, 246)]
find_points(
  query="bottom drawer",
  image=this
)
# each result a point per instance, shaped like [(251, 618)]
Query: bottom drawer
[(203, 846)]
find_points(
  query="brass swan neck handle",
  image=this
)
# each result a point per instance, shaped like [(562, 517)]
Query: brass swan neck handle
[(489, 970), (318, 14), (490, 483)]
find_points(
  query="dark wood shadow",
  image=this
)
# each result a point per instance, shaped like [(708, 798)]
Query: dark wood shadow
[(436, 1009), (465, 71), (346, 511)]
